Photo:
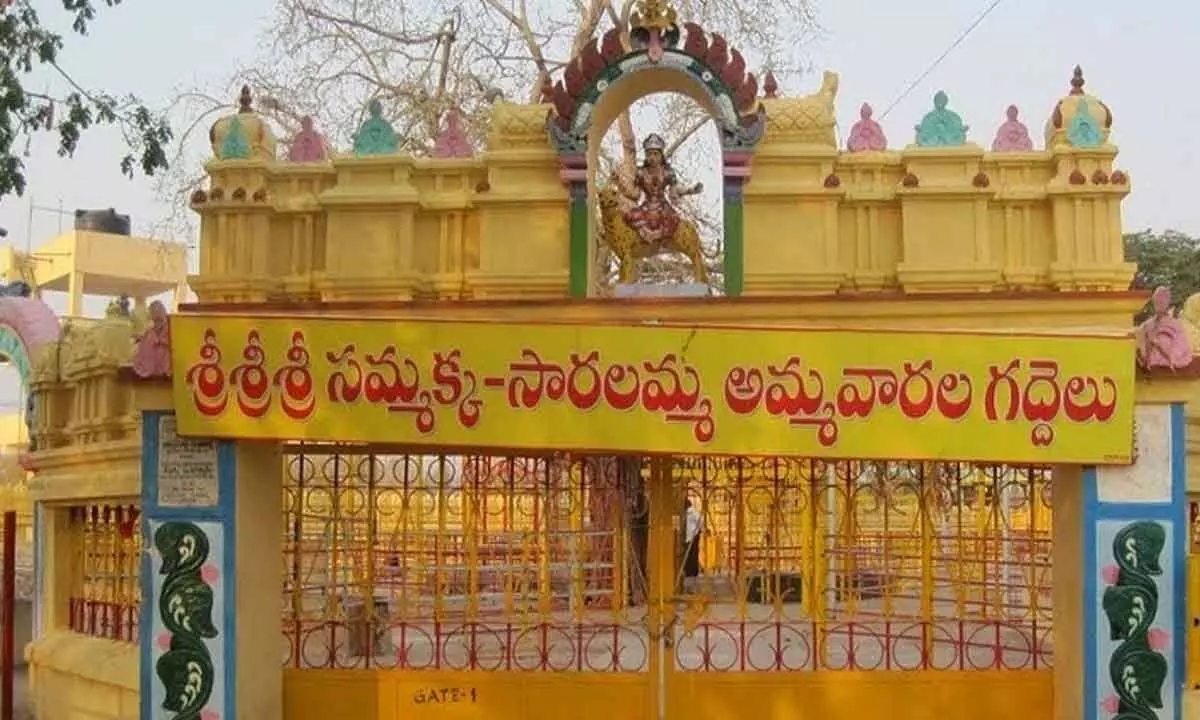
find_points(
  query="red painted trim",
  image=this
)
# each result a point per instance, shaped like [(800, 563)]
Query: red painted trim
[(337, 317), (442, 305)]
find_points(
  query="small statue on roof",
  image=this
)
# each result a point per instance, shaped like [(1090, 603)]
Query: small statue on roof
[(941, 127), (1012, 136), (376, 135), (308, 145), (453, 142), (866, 135), (152, 351)]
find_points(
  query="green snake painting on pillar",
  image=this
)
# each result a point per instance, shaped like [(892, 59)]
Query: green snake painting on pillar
[(1137, 666), (185, 605)]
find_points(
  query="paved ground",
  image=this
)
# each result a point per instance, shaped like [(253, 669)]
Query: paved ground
[(21, 704)]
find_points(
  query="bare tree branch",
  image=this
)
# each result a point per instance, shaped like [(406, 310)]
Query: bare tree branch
[(317, 13), (687, 134)]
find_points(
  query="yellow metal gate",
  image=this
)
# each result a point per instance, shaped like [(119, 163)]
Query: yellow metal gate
[(523, 586), (844, 589), (506, 586)]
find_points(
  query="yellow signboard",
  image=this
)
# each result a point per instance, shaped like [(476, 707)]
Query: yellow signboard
[(657, 389)]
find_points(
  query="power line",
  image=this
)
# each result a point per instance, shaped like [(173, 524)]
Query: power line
[(963, 36)]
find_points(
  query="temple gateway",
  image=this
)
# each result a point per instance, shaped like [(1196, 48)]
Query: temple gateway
[(895, 445)]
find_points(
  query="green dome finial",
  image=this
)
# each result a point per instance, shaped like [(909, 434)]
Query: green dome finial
[(941, 127), (376, 135)]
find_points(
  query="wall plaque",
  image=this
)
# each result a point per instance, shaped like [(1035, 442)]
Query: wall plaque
[(187, 469)]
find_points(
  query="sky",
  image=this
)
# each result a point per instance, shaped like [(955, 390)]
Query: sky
[(1023, 53)]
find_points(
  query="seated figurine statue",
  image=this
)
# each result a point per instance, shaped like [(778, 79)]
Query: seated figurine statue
[(152, 351), (1162, 339), (654, 218), (941, 127), (653, 226), (1012, 136)]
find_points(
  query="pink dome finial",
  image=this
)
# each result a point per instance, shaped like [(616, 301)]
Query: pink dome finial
[(866, 135), (1012, 135), (308, 145), (453, 142)]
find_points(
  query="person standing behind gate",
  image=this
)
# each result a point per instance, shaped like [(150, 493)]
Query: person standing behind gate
[(695, 525)]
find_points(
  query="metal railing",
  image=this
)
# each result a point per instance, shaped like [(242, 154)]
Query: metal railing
[(105, 594), (525, 562)]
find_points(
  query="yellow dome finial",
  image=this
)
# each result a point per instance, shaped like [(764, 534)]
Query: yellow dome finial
[(1079, 120), (243, 135), (652, 26), (653, 15)]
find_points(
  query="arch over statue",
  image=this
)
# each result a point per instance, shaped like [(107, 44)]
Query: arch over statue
[(26, 326), (604, 80)]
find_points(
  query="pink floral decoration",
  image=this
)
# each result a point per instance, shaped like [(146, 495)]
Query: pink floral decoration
[(1111, 574), (210, 715), (164, 641), (1111, 704), (1158, 639), (209, 573)]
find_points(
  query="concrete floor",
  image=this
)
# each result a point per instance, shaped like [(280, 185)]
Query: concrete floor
[(22, 710), (23, 625)]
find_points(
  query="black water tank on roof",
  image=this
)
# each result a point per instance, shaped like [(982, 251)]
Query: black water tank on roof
[(105, 221)]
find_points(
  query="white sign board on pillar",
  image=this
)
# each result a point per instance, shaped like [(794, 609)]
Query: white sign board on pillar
[(187, 469)]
